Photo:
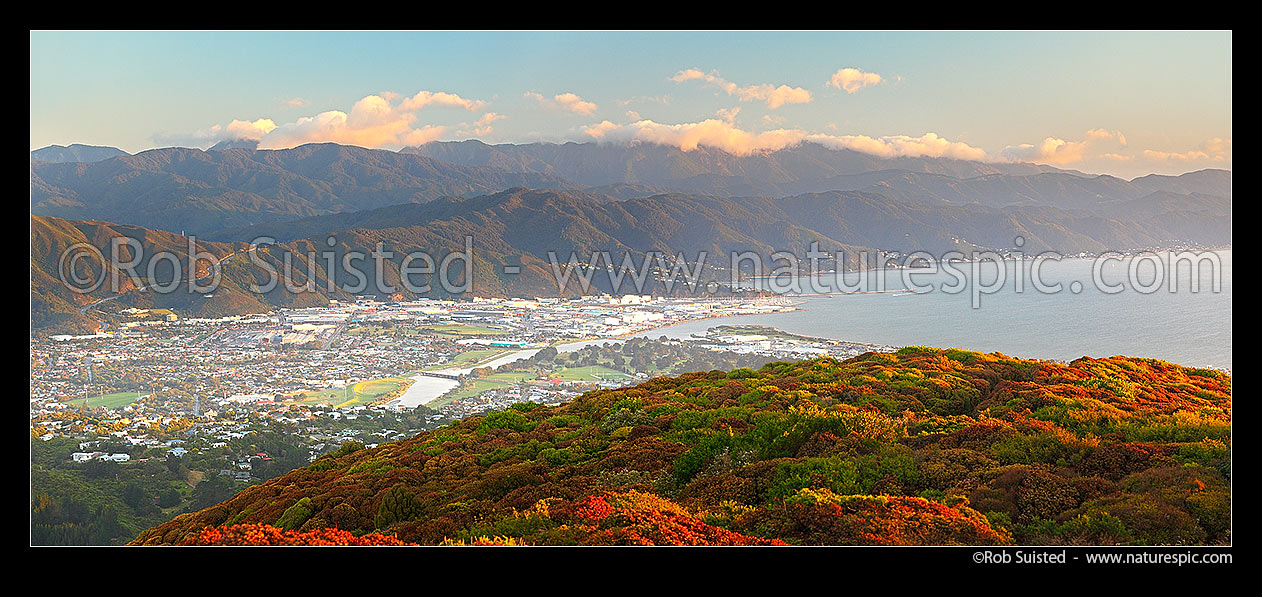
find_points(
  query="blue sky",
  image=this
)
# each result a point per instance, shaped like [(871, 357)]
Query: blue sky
[(1125, 103)]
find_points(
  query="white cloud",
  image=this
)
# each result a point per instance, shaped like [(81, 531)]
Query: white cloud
[(774, 96), (711, 133), (893, 146), (372, 122), (690, 74), (851, 79), (482, 126), (647, 99), (568, 102), (1054, 150), (1166, 156), (598, 131), (383, 119), (423, 135), (718, 134), (240, 129), (727, 115), (1102, 146), (441, 98), (1218, 147), (1105, 135), (1212, 150), (233, 131), (295, 102)]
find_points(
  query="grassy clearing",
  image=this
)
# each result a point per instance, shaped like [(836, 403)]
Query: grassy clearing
[(497, 381), (359, 393), (115, 400), (468, 389), (592, 373), (473, 387), (469, 359), (325, 396)]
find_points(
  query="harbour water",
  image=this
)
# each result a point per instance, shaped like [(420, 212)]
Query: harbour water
[(1186, 327)]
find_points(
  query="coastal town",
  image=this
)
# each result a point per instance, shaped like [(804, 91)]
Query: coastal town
[(367, 371)]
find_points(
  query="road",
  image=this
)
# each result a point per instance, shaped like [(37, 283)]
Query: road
[(214, 270)]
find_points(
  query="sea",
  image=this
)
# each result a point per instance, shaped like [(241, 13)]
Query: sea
[(1124, 305), (1145, 305)]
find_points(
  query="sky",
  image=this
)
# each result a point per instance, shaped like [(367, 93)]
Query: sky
[(1120, 103)]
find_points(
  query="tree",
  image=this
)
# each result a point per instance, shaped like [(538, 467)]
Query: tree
[(210, 492), (546, 354), (175, 466), (347, 447), (100, 469), (295, 515), (169, 498), (106, 527), (397, 505), (136, 497)]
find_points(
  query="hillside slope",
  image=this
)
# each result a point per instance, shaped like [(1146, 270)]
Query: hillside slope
[(925, 446), (84, 253), (75, 152), (516, 233), (203, 192), (197, 192), (537, 221), (813, 168)]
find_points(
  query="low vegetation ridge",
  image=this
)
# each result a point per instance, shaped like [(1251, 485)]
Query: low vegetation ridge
[(923, 446)]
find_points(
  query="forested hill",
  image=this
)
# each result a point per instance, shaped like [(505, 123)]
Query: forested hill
[(925, 446)]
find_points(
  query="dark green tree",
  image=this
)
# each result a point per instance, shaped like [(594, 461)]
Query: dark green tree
[(169, 498), (397, 505)]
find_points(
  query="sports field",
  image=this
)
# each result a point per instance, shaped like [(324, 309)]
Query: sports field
[(469, 358), (115, 400), (473, 387), (359, 393), (591, 373)]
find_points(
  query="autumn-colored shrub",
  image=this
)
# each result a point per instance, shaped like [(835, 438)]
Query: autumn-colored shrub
[(904, 448), (263, 534)]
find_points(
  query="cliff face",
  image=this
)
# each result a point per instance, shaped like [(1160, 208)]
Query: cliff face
[(925, 446)]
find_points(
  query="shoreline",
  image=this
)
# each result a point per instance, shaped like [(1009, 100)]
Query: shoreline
[(1128, 254)]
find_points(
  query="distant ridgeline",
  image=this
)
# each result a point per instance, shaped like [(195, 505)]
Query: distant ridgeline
[(924, 446), (208, 193), (630, 202)]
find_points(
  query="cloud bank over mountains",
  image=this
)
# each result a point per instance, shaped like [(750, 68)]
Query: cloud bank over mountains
[(392, 121)]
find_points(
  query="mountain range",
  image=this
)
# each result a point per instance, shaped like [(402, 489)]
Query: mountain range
[(700, 169), (535, 222), (522, 204), (75, 152), (197, 191), (202, 192)]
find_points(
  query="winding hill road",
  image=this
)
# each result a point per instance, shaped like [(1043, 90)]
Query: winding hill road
[(214, 270)]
